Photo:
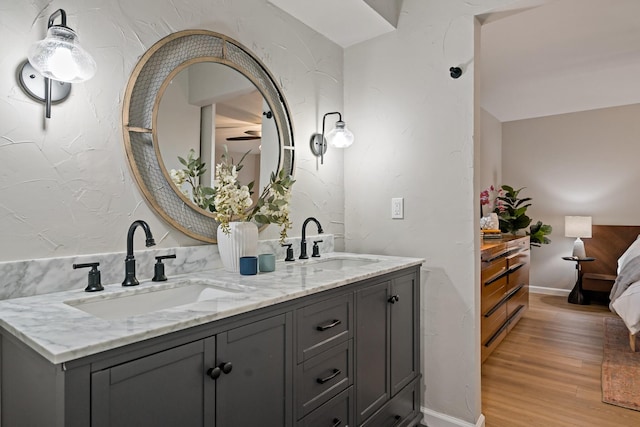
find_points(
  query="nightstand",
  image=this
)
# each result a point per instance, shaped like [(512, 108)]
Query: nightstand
[(577, 296)]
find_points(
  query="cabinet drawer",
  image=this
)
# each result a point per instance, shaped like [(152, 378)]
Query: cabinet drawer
[(323, 324), (337, 412), (498, 290), (519, 299), (322, 377), (492, 343), (399, 411), (518, 265), (491, 274), (493, 322)]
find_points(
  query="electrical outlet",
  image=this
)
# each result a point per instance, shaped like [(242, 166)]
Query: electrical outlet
[(397, 208)]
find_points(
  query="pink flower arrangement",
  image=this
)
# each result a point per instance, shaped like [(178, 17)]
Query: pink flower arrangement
[(491, 196)]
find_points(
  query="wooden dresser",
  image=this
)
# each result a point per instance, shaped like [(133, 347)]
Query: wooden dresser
[(505, 288)]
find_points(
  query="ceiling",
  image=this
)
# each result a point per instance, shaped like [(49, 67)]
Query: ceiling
[(562, 56), (538, 57), (345, 22)]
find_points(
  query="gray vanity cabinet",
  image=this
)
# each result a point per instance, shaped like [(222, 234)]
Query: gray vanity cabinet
[(210, 382), (347, 356), (387, 320)]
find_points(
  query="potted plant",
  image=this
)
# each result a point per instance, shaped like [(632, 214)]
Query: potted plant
[(512, 215)]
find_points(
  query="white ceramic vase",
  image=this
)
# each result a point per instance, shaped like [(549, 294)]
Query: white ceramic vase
[(241, 241)]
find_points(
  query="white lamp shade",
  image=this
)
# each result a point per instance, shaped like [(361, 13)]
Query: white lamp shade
[(577, 226), (340, 136), (60, 57)]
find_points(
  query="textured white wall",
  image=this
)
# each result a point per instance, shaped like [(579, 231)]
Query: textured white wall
[(414, 128), (490, 167), (582, 163), (65, 185)]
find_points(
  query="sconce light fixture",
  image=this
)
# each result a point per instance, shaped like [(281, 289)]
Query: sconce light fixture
[(578, 226), (339, 137), (58, 58)]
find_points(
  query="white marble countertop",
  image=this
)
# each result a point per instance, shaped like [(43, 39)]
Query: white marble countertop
[(61, 332)]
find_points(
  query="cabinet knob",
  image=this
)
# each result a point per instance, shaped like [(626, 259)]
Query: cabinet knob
[(336, 422), (226, 367), (214, 373), (394, 299)]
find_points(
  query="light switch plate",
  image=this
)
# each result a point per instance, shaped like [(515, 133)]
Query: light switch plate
[(397, 208)]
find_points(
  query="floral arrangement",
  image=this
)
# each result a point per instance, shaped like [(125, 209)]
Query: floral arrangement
[(229, 200), (491, 197), (511, 210)]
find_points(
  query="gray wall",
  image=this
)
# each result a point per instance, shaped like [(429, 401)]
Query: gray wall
[(583, 163)]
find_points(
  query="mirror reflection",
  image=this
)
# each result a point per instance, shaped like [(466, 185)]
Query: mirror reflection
[(208, 106)]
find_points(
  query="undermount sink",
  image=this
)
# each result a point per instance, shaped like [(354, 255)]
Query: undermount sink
[(341, 263), (142, 301)]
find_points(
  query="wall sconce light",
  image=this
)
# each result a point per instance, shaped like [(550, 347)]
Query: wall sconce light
[(577, 226), (339, 137), (58, 58)]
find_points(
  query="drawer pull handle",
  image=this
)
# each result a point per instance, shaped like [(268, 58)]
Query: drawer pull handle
[(335, 373), (333, 324), (336, 422), (394, 299)]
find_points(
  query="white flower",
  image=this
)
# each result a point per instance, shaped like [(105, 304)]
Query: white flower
[(178, 176)]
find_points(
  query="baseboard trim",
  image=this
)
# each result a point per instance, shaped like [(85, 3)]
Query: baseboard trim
[(549, 291), (437, 419)]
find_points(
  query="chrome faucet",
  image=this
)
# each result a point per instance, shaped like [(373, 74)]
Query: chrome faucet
[(303, 243), (130, 261)]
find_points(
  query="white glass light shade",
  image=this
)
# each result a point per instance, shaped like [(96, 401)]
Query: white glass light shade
[(60, 57), (577, 226), (340, 136)]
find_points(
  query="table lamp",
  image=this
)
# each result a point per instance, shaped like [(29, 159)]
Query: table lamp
[(578, 226)]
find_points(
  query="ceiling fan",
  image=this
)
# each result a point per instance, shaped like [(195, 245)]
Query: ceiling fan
[(250, 135)]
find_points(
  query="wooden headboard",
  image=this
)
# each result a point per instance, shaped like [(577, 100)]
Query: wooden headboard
[(607, 243)]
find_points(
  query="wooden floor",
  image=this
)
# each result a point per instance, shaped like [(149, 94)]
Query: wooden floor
[(547, 371)]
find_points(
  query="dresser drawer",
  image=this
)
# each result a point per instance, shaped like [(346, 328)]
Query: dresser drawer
[(491, 323), (489, 345), (491, 275), (498, 290), (322, 377), (518, 265), (337, 412), (323, 324)]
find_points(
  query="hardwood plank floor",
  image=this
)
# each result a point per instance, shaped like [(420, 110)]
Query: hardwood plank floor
[(547, 370)]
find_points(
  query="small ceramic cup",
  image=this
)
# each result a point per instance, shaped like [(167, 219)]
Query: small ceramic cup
[(266, 262), (248, 265)]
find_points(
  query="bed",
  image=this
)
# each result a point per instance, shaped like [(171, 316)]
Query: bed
[(625, 293), (616, 271)]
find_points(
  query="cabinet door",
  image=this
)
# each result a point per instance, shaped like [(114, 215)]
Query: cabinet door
[(372, 349), (164, 389), (404, 332), (258, 389)]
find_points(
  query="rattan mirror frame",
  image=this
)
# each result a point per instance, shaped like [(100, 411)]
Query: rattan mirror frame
[(142, 97)]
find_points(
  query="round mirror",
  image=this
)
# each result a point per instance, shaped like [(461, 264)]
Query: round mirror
[(199, 90), (209, 109)]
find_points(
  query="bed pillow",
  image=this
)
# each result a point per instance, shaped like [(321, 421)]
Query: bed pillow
[(631, 252)]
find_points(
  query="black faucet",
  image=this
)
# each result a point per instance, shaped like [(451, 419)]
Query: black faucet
[(130, 261), (303, 243)]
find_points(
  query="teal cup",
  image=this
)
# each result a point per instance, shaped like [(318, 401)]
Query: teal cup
[(266, 262), (248, 265)]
